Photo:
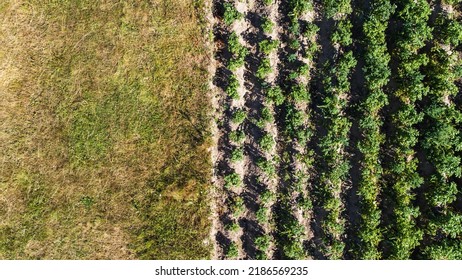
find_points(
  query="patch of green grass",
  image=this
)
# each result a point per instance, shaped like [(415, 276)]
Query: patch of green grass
[(87, 201), (171, 228), (15, 237)]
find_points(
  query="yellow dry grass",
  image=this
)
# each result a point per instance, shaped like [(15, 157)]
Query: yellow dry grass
[(103, 141)]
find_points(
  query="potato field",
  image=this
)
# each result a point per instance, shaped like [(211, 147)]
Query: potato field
[(337, 129)]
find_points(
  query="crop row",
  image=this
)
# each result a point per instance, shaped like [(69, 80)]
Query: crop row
[(337, 125), (293, 199), (442, 141), (376, 72), (403, 234)]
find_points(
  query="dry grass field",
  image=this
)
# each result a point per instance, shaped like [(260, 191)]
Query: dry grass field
[(103, 143)]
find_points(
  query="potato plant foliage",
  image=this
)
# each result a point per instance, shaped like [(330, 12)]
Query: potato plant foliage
[(352, 143)]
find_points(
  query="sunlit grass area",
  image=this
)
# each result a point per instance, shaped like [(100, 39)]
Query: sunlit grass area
[(103, 130)]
